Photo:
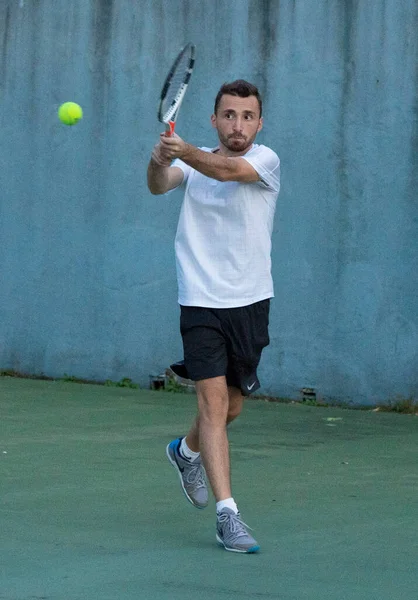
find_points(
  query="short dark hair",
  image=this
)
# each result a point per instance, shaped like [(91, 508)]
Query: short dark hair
[(240, 88)]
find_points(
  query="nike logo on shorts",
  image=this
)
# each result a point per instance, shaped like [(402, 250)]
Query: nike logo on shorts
[(250, 387)]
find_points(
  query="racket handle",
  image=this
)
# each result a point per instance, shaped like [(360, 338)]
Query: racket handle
[(170, 128)]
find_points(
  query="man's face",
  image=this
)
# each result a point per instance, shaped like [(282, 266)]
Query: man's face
[(237, 121)]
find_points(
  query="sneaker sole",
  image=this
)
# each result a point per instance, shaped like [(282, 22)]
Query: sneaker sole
[(173, 462), (251, 550)]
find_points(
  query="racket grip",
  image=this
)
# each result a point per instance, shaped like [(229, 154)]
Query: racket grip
[(170, 128)]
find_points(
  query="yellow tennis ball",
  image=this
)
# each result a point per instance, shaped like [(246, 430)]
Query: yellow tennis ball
[(70, 113)]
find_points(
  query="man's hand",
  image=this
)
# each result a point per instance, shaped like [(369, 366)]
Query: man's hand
[(172, 147), (161, 176), (159, 157)]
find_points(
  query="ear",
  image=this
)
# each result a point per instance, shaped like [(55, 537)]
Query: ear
[(213, 121), (260, 124)]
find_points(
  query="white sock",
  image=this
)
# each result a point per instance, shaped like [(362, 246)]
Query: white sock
[(186, 452), (227, 503)]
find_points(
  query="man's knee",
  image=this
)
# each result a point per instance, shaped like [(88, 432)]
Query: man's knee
[(235, 402), (212, 396)]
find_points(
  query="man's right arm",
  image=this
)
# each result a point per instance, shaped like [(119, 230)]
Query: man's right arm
[(161, 176)]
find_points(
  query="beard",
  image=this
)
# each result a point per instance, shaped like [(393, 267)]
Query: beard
[(236, 143)]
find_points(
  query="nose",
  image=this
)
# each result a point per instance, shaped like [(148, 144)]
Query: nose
[(238, 124)]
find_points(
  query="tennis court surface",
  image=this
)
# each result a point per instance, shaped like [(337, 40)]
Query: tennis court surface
[(91, 508)]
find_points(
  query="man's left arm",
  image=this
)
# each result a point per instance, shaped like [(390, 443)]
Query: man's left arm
[(215, 166)]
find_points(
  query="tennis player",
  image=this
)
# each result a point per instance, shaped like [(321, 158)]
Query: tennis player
[(223, 246)]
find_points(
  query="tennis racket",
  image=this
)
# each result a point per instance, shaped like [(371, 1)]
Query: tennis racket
[(175, 87)]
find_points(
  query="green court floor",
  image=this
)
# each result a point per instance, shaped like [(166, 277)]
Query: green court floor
[(91, 508)]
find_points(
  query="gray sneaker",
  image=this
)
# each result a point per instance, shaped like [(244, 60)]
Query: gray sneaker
[(231, 533), (192, 475)]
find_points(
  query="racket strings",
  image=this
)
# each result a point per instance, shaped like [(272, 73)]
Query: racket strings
[(176, 84)]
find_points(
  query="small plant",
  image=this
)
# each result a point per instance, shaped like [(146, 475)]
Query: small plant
[(70, 378), (9, 373), (173, 386), (400, 405), (19, 375), (312, 402), (125, 383)]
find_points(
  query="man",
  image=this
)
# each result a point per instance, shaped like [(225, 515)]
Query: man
[(223, 245)]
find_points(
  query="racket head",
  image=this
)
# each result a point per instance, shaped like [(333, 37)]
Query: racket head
[(175, 86)]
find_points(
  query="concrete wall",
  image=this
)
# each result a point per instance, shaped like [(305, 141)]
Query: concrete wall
[(86, 255)]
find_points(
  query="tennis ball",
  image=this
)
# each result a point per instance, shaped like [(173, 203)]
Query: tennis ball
[(70, 113)]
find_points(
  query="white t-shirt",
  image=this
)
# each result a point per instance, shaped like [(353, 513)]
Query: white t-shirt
[(223, 240)]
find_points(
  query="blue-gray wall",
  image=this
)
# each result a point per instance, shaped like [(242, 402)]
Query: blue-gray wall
[(86, 253)]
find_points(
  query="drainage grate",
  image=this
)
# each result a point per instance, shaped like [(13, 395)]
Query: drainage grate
[(157, 382), (308, 394)]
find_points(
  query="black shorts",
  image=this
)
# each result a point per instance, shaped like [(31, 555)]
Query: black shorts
[(225, 341)]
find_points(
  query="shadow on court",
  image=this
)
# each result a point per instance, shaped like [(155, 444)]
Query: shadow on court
[(91, 508)]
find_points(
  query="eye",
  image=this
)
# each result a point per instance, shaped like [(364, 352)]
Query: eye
[(229, 116), (249, 117)]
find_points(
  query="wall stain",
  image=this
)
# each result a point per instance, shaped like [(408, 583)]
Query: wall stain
[(4, 45), (100, 61), (413, 179), (264, 18), (101, 36), (347, 44)]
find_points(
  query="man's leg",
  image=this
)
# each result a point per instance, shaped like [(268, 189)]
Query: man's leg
[(213, 401), (235, 402), (184, 454), (214, 404), (219, 405)]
